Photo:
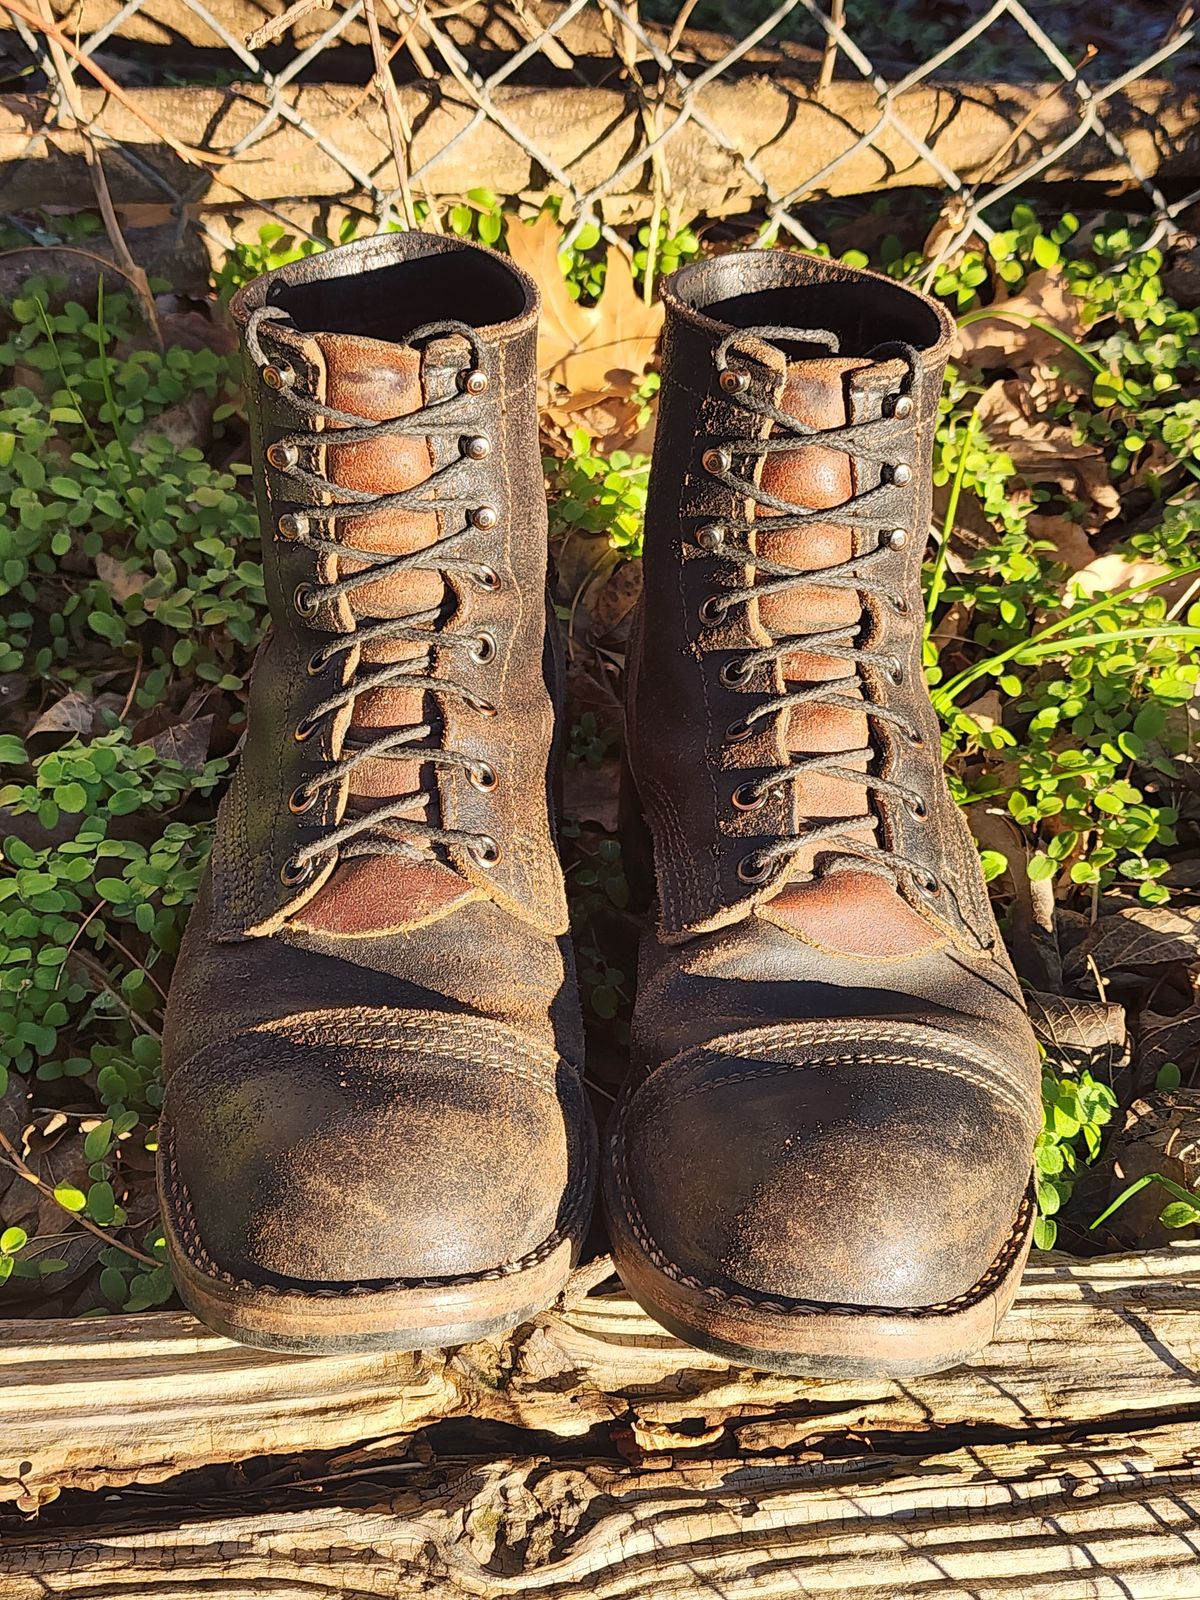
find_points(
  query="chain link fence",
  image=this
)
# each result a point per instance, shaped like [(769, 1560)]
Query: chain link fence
[(396, 108)]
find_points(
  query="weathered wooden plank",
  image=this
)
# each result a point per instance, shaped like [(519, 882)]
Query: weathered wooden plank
[(586, 132), (95, 1402), (1091, 1519)]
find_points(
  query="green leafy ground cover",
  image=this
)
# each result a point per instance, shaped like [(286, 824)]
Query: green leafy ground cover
[(1061, 650)]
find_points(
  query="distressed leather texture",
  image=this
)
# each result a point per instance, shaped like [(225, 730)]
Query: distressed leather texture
[(375, 1077), (835, 1088)]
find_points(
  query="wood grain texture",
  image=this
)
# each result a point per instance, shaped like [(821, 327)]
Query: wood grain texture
[(587, 132), (1091, 1519), (1112, 1343)]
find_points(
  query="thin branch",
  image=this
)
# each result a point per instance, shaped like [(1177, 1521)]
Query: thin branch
[(186, 152), (837, 15), (398, 130), (22, 1170), (275, 26)]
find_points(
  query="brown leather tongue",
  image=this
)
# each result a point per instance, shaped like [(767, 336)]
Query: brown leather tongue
[(376, 381), (859, 912)]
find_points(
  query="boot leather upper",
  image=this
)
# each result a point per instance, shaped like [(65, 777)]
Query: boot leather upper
[(373, 1054), (836, 1088)]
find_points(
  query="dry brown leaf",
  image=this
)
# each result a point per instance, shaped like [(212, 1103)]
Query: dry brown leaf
[(617, 597), (1083, 1033), (1004, 338), (1092, 574), (118, 579), (592, 794), (1161, 1134), (185, 742), (1043, 451), (586, 350), (1137, 937), (987, 711), (1163, 1039), (74, 713), (1107, 574)]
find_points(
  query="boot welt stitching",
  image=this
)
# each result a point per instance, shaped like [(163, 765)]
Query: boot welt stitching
[(200, 1257), (789, 1307)]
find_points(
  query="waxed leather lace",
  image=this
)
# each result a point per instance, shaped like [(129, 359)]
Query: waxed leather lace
[(385, 829), (877, 441)]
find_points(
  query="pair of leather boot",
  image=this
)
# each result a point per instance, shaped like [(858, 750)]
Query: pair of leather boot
[(375, 1131)]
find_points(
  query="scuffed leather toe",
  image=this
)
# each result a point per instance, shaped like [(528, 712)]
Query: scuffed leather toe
[(877, 1167), (368, 1147)]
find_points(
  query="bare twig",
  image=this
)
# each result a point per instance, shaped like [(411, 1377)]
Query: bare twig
[(52, 31), (398, 129), (276, 26), (17, 1164), (77, 118), (837, 15), (97, 972)]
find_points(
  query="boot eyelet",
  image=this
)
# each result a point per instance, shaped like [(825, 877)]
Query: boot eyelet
[(484, 852), (895, 672), (279, 376), (317, 663), (485, 518), (736, 674), (305, 728), (474, 381), (283, 457), (739, 730), (896, 538), (902, 405), (712, 537), (915, 738), (916, 806), (749, 797), (292, 525), (483, 776), (930, 883), (478, 447), (716, 462), (302, 799), (293, 873), (734, 382), (306, 600), (899, 604), (713, 611), (485, 708), (486, 578), (482, 649), (901, 473), (753, 869)]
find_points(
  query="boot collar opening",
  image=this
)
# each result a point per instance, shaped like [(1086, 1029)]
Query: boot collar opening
[(755, 288)]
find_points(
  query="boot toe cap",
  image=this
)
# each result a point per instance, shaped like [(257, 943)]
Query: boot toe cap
[(409, 1150), (886, 1172)]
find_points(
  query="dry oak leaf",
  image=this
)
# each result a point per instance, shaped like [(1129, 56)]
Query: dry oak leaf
[(1093, 574), (1003, 336), (1044, 451), (586, 350)]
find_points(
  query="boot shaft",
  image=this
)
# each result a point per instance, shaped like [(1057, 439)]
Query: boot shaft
[(778, 726), (401, 705)]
